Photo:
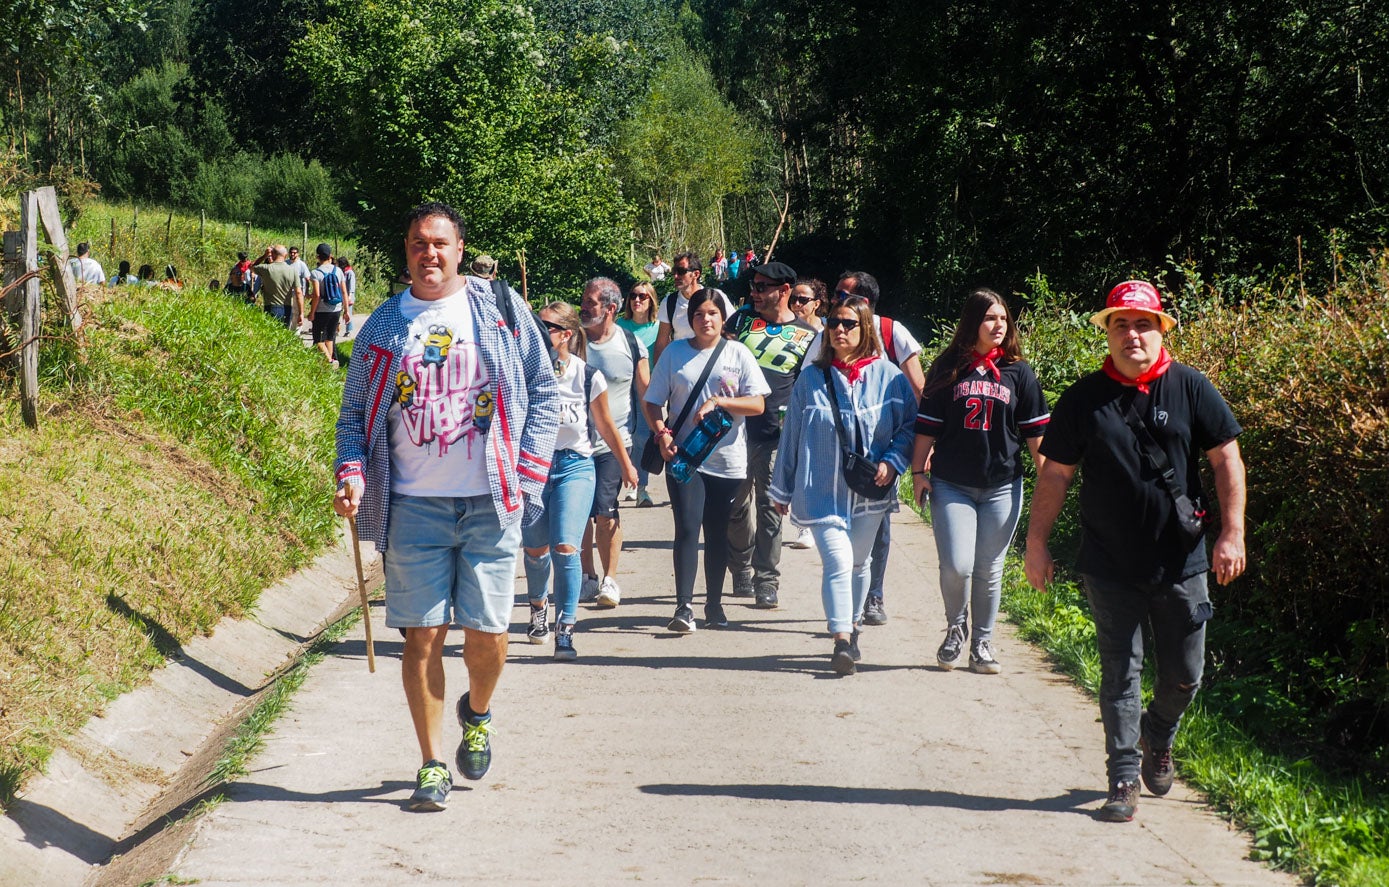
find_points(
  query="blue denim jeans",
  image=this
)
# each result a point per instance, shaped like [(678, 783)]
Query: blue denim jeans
[(973, 526), (847, 556), (568, 497), (1176, 615)]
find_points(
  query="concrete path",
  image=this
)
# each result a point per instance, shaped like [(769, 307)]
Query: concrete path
[(720, 757)]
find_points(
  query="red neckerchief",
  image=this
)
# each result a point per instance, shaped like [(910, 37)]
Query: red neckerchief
[(1160, 366), (988, 361), (851, 371)]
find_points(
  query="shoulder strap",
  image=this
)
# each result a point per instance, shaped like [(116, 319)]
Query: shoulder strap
[(670, 310), (632, 383), (698, 386), (885, 333), (589, 371), (838, 419), (1154, 455), (503, 296)]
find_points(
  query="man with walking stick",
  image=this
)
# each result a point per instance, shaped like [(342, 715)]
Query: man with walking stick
[(444, 442)]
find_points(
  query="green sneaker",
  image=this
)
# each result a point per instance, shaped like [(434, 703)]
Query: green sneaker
[(475, 751), (432, 785)]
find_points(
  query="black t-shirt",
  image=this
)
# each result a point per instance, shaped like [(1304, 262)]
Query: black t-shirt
[(779, 349), (979, 424), (1128, 532)]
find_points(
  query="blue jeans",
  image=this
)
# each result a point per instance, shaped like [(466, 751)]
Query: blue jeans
[(639, 435), (847, 556), (973, 526), (1176, 614), (568, 497), (283, 313)]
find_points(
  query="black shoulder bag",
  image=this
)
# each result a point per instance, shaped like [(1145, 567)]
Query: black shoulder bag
[(1191, 517), (652, 462), (859, 473)]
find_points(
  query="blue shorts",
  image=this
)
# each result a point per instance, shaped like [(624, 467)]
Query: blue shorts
[(448, 560)]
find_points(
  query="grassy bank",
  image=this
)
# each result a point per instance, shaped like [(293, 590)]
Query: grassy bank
[(178, 469)]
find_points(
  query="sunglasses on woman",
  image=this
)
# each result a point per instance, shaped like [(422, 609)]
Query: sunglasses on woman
[(848, 323), (638, 297), (554, 327), (802, 300)]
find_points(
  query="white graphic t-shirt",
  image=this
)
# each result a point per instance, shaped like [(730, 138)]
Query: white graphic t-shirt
[(573, 407), (438, 424)]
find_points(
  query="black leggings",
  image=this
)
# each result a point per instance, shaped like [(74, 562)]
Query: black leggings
[(706, 501)]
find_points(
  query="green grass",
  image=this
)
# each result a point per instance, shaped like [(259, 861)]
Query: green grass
[(181, 465)]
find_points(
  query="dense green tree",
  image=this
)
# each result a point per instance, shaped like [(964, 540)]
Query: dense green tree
[(446, 100)]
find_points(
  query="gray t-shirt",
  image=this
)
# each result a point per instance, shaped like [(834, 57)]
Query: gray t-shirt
[(613, 359)]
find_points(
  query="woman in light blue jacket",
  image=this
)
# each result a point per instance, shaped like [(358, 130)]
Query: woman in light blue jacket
[(877, 409)]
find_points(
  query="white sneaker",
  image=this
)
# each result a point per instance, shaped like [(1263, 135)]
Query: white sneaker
[(805, 540), (589, 590), (629, 494), (608, 594)]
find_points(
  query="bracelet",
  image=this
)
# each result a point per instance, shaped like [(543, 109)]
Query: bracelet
[(665, 431), (923, 473)]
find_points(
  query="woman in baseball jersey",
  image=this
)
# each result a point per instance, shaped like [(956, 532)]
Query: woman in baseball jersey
[(980, 402)]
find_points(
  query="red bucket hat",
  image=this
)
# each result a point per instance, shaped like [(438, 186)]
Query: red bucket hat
[(1134, 295)]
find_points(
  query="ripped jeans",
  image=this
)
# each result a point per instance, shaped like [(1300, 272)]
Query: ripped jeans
[(1177, 614)]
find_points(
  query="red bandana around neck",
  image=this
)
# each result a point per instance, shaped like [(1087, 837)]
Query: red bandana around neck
[(975, 359), (1155, 371), (852, 371)]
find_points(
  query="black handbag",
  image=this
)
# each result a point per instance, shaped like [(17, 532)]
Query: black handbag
[(652, 462), (1191, 516), (860, 473)]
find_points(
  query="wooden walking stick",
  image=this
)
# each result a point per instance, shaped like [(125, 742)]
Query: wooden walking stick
[(362, 594)]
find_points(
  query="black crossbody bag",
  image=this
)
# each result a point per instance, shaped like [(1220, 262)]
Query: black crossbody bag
[(1191, 516), (652, 462), (859, 473)]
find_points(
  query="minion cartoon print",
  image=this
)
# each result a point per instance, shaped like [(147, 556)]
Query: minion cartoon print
[(445, 394)]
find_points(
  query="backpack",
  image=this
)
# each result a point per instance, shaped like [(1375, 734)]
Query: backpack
[(502, 291), (330, 288), (885, 333)]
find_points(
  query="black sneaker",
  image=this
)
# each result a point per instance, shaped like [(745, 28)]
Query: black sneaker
[(981, 658), (683, 622), (564, 643), (842, 661), (1123, 801), (952, 648), (766, 598), (474, 755), (853, 646), (742, 585), (1157, 768), (539, 630), (873, 612), (432, 786), (714, 616)]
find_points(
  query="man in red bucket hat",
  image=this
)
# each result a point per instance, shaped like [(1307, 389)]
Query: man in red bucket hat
[(1139, 425)]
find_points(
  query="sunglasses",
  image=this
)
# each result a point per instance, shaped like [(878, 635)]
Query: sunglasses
[(638, 297), (679, 271), (763, 287), (848, 323), (554, 327), (802, 300), (841, 295)]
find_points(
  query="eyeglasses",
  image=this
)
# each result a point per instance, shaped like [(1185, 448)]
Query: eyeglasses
[(848, 323), (554, 327), (802, 300), (638, 297)]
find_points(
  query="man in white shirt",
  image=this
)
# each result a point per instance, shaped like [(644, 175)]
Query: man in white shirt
[(674, 310), (621, 358), (657, 269), (301, 270), (85, 269)]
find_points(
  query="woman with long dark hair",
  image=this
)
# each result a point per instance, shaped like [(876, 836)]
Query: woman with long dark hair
[(734, 383), (875, 408), (980, 402)]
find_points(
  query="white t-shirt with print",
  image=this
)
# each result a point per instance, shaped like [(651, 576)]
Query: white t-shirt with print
[(680, 321), (904, 344), (438, 424), (613, 358), (573, 407), (736, 375)]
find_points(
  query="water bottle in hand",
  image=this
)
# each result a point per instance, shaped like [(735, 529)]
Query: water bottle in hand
[(701, 442)]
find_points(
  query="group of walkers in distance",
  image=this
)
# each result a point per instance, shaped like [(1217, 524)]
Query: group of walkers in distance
[(479, 429), (86, 269)]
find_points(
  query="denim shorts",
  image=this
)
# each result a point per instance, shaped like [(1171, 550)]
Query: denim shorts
[(448, 559)]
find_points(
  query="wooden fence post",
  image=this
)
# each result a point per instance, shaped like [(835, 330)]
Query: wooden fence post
[(248, 238), (63, 280), (111, 250), (169, 229), (29, 312)]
